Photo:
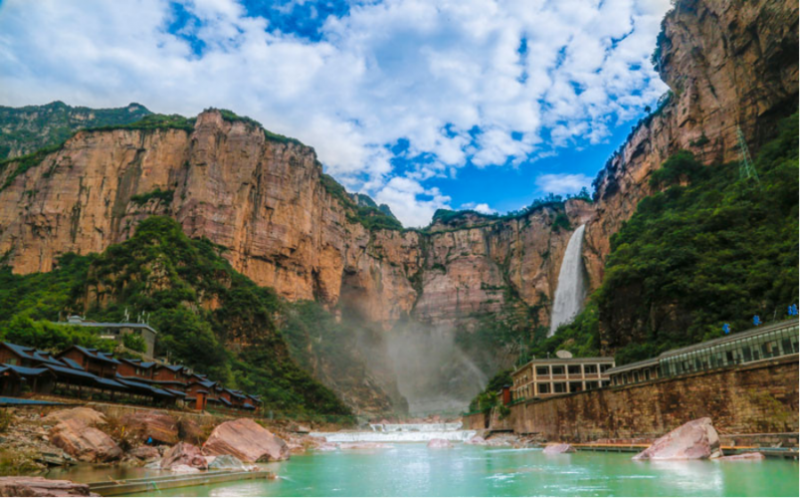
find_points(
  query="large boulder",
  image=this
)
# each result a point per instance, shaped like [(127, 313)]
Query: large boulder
[(152, 426), (183, 454), (145, 453), (247, 441), (558, 449), (437, 443), (83, 442), (39, 486), (693, 440), (87, 415)]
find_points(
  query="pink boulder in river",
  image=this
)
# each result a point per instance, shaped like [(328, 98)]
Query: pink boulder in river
[(247, 441), (558, 449), (692, 441), (439, 444)]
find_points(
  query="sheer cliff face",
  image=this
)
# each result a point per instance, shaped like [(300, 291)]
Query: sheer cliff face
[(263, 201), (728, 65)]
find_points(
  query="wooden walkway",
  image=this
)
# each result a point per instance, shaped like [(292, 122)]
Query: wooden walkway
[(790, 453), (161, 483)]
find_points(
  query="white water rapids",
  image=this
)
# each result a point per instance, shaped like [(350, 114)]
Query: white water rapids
[(570, 291), (400, 433)]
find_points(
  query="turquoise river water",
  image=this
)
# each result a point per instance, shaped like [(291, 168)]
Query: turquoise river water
[(411, 469)]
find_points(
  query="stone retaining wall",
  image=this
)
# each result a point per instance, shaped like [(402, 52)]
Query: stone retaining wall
[(756, 398)]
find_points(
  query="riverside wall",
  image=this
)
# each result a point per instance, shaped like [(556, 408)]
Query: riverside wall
[(751, 399)]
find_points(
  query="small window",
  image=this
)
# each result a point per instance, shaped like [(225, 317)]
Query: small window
[(544, 388), (558, 369), (575, 387), (559, 387), (574, 369), (604, 367), (543, 371), (590, 369), (591, 385)]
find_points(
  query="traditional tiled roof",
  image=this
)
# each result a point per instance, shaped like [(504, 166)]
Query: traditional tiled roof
[(23, 371), (94, 354), (138, 363), (171, 368), (32, 354), (72, 363)]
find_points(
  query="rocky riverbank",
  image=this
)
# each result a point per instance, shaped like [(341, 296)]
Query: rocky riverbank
[(36, 439)]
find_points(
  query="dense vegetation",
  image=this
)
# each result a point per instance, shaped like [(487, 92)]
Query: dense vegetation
[(153, 122), (710, 247), (489, 398), (28, 129), (209, 316)]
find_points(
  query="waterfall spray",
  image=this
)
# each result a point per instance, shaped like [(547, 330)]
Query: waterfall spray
[(570, 291)]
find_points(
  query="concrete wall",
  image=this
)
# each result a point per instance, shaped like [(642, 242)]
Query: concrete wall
[(760, 397)]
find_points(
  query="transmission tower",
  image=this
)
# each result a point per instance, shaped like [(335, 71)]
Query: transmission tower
[(746, 167)]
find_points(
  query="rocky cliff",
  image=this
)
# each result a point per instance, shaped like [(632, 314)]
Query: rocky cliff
[(730, 65), (265, 201), (284, 224)]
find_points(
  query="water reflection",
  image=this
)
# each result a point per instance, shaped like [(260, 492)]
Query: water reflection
[(415, 470)]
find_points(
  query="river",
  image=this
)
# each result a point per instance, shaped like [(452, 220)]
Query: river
[(411, 469)]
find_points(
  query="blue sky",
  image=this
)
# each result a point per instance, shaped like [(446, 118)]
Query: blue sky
[(422, 104)]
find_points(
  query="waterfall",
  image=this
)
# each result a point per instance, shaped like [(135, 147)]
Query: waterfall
[(400, 433), (570, 291)]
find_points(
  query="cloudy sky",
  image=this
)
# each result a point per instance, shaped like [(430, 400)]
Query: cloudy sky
[(422, 104)]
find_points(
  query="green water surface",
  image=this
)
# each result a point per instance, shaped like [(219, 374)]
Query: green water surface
[(415, 470)]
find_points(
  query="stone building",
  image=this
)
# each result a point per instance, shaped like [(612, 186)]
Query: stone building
[(541, 378), (760, 343), (117, 331)]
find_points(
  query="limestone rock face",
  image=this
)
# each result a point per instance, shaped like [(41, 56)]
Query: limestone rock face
[(158, 426), (83, 442), (693, 440), (264, 201), (728, 65), (39, 486), (247, 441), (183, 454), (558, 449)]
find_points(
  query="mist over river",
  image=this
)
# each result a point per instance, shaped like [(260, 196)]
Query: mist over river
[(412, 469)]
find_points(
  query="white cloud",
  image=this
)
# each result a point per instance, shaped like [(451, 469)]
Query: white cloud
[(481, 208), (447, 75), (563, 183)]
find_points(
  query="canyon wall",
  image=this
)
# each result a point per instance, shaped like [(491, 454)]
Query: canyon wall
[(263, 200), (729, 65)]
